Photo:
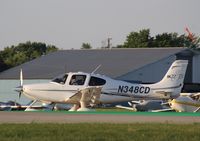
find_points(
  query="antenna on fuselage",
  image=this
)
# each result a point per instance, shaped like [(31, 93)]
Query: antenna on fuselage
[(96, 68)]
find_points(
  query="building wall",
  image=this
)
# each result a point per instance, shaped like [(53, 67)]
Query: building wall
[(150, 73), (187, 55), (196, 69)]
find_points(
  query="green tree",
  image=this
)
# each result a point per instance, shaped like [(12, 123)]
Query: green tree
[(143, 39), (138, 39), (86, 46), (23, 52), (166, 40), (51, 48)]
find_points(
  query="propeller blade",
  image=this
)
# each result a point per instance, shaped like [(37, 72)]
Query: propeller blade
[(20, 93), (19, 89), (21, 78)]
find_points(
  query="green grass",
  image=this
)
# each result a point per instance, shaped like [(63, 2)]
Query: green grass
[(99, 132), (112, 109)]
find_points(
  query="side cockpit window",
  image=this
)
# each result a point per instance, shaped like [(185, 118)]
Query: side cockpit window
[(60, 79), (77, 80), (95, 81)]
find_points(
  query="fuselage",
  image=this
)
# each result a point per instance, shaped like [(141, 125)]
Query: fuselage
[(63, 87)]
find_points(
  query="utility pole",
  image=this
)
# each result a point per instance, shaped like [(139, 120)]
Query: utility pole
[(109, 42), (106, 43)]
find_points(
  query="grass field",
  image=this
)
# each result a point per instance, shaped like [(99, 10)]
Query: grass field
[(99, 132)]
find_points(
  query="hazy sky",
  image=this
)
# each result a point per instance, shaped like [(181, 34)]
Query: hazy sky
[(69, 23)]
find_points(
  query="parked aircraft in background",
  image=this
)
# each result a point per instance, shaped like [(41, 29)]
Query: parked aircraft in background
[(143, 105), (83, 89), (186, 102), (13, 106), (7, 106), (190, 34)]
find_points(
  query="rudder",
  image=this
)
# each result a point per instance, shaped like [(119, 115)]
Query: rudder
[(175, 75)]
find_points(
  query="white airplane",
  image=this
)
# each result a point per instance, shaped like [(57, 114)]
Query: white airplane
[(7, 106), (83, 89), (13, 106), (186, 102)]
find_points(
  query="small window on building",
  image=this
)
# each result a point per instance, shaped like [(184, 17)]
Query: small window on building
[(95, 81), (77, 80), (60, 79)]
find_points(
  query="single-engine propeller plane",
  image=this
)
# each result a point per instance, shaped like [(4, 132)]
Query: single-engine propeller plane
[(83, 89)]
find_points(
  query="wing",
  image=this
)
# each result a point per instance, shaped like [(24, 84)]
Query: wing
[(190, 94), (196, 94)]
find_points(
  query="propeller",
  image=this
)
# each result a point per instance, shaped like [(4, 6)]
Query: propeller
[(20, 88)]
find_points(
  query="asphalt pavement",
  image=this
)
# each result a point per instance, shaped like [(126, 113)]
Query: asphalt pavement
[(98, 117)]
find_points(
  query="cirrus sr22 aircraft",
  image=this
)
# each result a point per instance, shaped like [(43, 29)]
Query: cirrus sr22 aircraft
[(84, 89)]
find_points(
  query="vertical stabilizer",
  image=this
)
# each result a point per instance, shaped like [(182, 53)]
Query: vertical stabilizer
[(176, 74), (172, 82)]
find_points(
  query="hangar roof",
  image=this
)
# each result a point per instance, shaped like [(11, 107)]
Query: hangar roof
[(114, 62)]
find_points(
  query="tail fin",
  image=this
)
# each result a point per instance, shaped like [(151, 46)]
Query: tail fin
[(190, 34), (175, 75), (172, 82)]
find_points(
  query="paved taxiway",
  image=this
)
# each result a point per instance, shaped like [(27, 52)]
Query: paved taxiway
[(66, 117)]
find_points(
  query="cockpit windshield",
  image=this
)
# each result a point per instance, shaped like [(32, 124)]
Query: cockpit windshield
[(77, 80), (60, 79)]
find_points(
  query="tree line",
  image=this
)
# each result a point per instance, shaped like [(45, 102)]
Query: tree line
[(23, 52), (143, 39)]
